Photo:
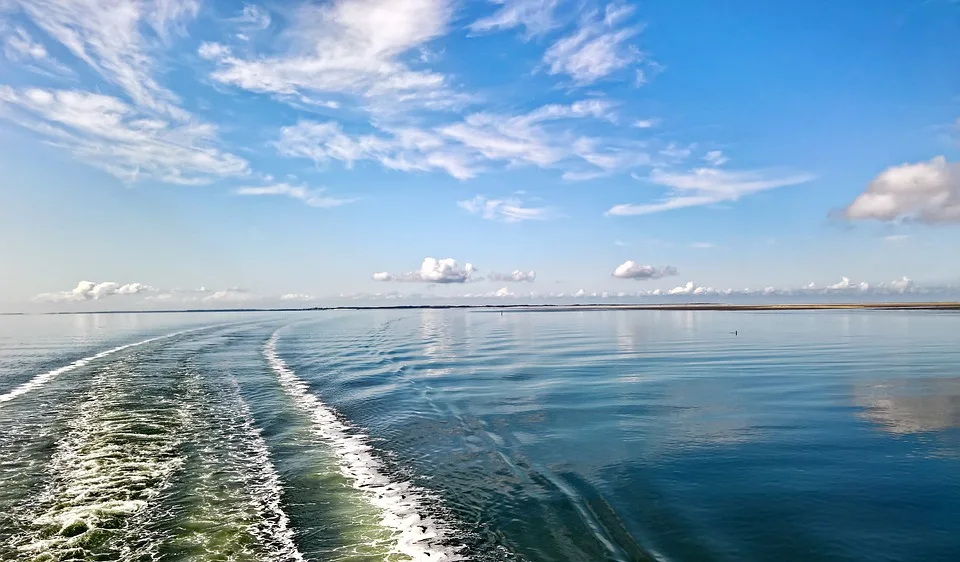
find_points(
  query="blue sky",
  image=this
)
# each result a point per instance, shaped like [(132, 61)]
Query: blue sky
[(173, 152)]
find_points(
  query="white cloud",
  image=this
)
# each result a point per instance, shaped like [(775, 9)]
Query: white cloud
[(646, 123), (702, 245), (252, 17), (896, 238), (108, 35), (507, 210), (516, 276), (926, 192), (352, 47), (297, 297), (525, 139), (312, 197), (706, 186), (432, 270), (464, 148), (536, 16), (229, 295), (677, 153), (401, 149), (504, 292), (88, 290), (597, 49), (110, 134), (633, 270), (716, 158), (21, 46), (902, 285)]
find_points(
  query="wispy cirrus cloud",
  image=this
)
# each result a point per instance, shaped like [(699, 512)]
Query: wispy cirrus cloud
[(707, 186), (535, 16), (116, 38), (479, 142), (511, 209), (312, 197), (108, 133), (354, 48), (598, 48)]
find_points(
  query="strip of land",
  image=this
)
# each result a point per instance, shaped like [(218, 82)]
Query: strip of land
[(560, 307)]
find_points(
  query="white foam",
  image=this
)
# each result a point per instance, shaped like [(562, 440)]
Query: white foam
[(400, 503), (267, 485), (44, 378)]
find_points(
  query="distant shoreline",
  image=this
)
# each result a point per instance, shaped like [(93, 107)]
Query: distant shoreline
[(550, 308)]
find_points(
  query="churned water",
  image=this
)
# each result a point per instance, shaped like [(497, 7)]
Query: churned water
[(467, 435)]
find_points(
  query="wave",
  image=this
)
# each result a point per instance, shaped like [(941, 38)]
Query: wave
[(44, 378), (235, 492), (111, 467), (401, 504)]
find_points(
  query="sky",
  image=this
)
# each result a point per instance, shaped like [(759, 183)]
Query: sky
[(170, 153)]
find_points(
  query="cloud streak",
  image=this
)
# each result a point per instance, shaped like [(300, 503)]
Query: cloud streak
[(597, 49), (346, 47), (516, 276), (110, 134), (311, 197), (511, 209), (707, 186)]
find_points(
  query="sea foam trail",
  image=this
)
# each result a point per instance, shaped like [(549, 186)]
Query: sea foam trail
[(400, 503), (238, 493), (44, 378)]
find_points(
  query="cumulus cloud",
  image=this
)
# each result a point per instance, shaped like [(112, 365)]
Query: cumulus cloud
[(432, 270), (597, 48), (536, 16), (511, 209), (633, 270), (88, 290), (707, 186), (927, 192), (846, 286), (516, 276), (311, 197)]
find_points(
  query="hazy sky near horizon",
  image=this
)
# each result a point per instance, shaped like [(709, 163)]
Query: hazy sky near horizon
[(218, 152)]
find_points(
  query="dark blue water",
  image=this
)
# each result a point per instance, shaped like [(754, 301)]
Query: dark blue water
[(632, 435)]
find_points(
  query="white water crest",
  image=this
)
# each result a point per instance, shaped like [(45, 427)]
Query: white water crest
[(44, 378), (400, 503), (114, 462), (239, 490)]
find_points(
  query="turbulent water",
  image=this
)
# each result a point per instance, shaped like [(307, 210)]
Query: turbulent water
[(457, 435)]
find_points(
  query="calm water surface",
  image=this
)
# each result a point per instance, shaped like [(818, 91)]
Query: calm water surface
[(456, 435)]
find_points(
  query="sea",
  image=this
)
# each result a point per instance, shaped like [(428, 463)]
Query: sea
[(440, 435)]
